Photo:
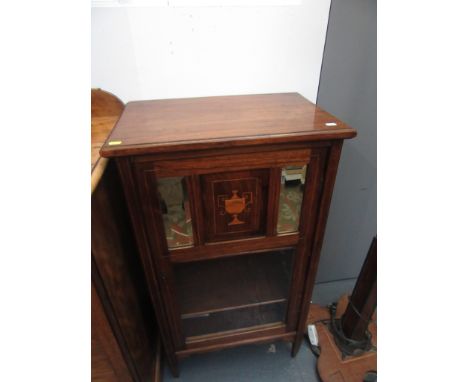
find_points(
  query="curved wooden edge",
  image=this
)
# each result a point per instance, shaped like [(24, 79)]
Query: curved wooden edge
[(97, 172), (106, 109), (105, 103)]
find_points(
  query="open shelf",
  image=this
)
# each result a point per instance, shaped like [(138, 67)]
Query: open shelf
[(233, 293)]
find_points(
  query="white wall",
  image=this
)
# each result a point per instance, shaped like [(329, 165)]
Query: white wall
[(172, 52)]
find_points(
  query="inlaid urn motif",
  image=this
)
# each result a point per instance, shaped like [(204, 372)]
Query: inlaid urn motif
[(235, 205)]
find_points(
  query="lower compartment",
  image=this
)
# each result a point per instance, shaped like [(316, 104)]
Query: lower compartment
[(238, 293)]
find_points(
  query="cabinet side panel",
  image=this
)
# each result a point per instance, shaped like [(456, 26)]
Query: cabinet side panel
[(317, 237), (107, 363), (134, 208), (121, 276), (313, 186), (163, 278)]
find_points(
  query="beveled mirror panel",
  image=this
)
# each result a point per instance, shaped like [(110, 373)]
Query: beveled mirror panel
[(175, 208), (290, 200)]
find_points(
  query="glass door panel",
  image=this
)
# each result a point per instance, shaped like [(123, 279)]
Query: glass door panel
[(234, 293)]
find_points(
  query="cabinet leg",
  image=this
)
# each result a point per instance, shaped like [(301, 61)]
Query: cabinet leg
[(173, 366), (296, 345)]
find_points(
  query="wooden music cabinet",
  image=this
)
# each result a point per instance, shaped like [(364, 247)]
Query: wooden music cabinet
[(229, 199)]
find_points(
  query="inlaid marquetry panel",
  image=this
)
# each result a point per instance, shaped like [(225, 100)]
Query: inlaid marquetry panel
[(235, 204)]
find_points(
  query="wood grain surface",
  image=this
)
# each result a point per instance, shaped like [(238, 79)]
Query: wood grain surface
[(210, 141), (175, 124), (107, 362), (331, 366), (122, 287), (124, 332), (105, 111)]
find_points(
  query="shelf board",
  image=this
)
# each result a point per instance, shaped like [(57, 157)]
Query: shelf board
[(234, 321), (225, 309)]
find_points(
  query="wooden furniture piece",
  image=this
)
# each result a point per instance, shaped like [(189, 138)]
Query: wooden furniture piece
[(229, 198), (348, 337), (105, 112), (331, 365), (363, 301), (124, 336)]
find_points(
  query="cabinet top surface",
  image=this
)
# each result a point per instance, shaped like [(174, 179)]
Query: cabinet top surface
[(213, 122)]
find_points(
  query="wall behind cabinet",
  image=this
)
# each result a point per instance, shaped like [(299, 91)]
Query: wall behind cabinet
[(173, 52), (348, 89)]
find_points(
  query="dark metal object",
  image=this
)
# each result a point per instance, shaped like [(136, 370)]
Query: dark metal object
[(363, 301), (347, 346), (350, 332)]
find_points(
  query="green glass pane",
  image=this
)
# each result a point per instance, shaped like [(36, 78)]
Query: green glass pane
[(175, 209), (290, 201)]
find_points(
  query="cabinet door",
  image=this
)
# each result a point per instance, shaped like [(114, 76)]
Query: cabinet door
[(234, 294), (206, 207)]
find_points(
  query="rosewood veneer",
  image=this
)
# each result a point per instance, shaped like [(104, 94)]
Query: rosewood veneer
[(229, 198)]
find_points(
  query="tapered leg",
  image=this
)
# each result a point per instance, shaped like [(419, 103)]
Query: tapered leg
[(173, 365), (296, 345)]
